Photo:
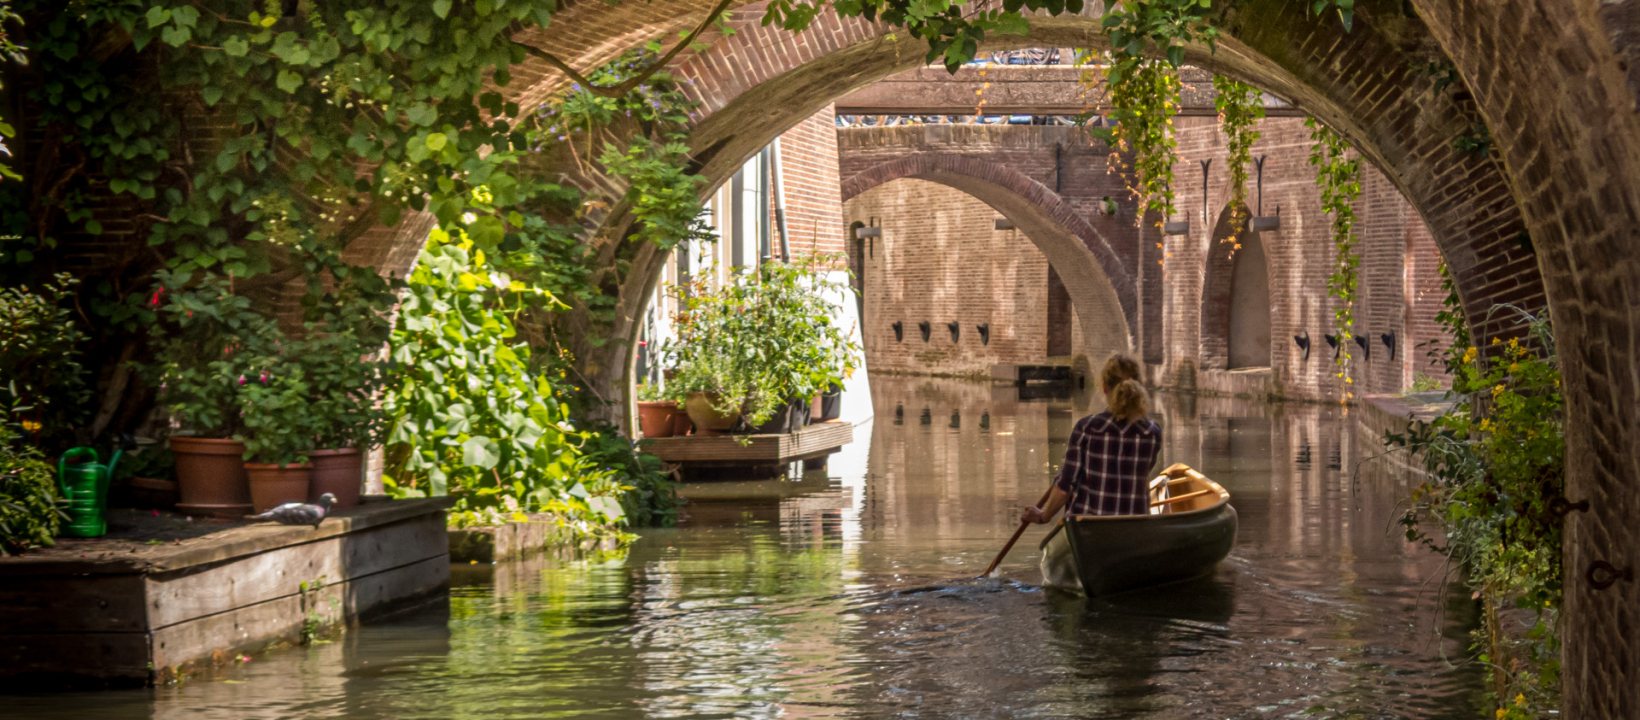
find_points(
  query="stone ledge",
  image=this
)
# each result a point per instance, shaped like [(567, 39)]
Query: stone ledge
[(119, 611)]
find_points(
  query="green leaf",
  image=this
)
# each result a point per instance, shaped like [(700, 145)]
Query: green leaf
[(441, 8), (158, 16), (211, 94), (236, 46), (176, 36), (480, 452), (436, 141), (288, 81)]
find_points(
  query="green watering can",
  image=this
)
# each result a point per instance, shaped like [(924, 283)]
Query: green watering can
[(84, 484)]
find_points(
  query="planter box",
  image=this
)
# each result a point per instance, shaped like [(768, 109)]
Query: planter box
[(118, 611)]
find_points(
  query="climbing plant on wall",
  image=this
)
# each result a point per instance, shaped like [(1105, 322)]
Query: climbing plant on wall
[(1338, 177), (1494, 499), (252, 142), (9, 52), (1240, 107)]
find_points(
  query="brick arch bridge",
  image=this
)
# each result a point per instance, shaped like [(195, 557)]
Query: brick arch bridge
[(1100, 280), (761, 81), (1550, 214)]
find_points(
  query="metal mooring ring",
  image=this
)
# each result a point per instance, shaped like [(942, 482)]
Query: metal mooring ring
[(1563, 507), (1602, 574)]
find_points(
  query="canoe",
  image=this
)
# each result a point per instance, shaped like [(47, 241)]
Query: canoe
[(1190, 528)]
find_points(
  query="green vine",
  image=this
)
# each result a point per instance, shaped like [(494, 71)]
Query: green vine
[(1338, 177), (1141, 79), (1240, 107), (12, 53)]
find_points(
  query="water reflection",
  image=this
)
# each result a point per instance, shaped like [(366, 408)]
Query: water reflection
[(850, 595)]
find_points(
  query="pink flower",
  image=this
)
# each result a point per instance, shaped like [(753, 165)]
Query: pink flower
[(153, 302), (241, 379), (263, 378)]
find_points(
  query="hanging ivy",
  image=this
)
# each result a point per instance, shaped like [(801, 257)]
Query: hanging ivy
[(1338, 177), (9, 52), (1143, 95), (1240, 107)]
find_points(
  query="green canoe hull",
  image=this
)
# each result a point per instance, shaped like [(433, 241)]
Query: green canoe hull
[(1120, 553)]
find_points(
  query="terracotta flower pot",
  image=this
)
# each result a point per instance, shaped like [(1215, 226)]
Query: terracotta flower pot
[(655, 418), (211, 476), (707, 419), (273, 485), (681, 425), (338, 472)]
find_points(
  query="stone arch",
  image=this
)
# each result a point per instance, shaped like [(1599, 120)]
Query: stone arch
[(1559, 104), (1096, 277), (1220, 271), (1399, 120)]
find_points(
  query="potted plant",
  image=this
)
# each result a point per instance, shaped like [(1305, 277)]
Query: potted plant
[(279, 427), (712, 366), (344, 375), (654, 412), (802, 351), (209, 339)]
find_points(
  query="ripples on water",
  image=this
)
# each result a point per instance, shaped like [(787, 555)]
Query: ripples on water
[(850, 593)]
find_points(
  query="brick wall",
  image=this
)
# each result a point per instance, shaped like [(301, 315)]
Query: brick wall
[(1185, 287), (941, 258), (809, 168), (1399, 290)]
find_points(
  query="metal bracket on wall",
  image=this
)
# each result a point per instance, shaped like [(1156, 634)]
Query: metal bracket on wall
[(1602, 574), (1332, 342), (1258, 169), (899, 331), (1206, 164), (1365, 345), (1302, 339), (984, 333), (924, 327), (956, 330), (1388, 339)]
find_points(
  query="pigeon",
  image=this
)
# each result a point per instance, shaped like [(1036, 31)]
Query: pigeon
[(294, 513)]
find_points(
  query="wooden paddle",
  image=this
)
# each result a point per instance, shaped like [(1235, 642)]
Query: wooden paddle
[(1021, 531)]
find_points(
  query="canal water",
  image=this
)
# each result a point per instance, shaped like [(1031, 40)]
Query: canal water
[(850, 592)]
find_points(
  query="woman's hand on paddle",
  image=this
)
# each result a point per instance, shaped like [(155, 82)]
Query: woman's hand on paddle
[(1033, 514)]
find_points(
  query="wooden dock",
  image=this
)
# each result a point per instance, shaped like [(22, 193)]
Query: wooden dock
[(129, 611), (753, 453)]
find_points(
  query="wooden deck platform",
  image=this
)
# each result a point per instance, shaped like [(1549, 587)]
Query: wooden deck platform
[(130, 610), (752, 451)]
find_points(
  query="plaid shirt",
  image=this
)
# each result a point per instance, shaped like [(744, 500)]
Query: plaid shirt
[(1107, 466)]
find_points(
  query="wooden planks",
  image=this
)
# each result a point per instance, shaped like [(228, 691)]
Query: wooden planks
[(813, 440), (142, 614)]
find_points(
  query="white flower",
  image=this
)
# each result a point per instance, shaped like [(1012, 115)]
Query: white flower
[(468, 218)]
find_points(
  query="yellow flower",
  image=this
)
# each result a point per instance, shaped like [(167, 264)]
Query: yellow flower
[(1486, 424), (31, 426), (1520, 698), (1499, 714), (1497, 390), (1496, 340), (1470, 354)]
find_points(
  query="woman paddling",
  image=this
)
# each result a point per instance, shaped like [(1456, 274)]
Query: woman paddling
[(1107, 466)]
